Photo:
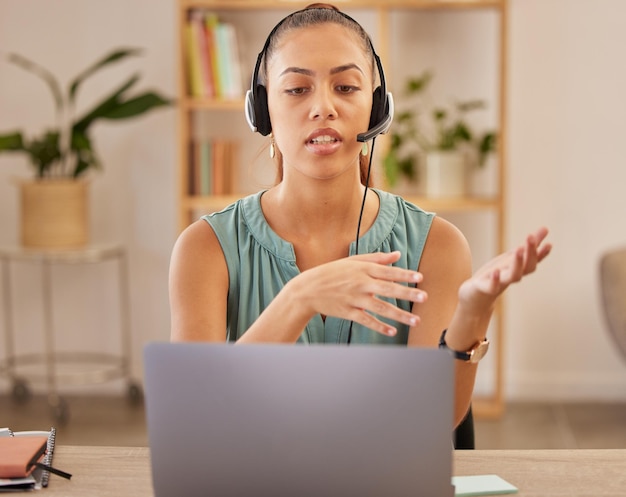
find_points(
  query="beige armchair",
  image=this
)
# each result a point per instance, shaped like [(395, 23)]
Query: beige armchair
[(613, 291)]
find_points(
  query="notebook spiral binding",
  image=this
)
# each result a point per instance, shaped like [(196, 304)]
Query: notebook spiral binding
[(45, 476)]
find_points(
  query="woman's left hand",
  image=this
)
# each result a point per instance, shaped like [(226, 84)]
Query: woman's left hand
[(479, 293)]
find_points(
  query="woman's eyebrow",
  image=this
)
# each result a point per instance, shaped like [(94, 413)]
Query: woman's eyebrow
[(309, 72), (298, 70), (345, 67)]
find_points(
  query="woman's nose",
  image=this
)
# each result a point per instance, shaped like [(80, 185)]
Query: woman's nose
[(323, 106)]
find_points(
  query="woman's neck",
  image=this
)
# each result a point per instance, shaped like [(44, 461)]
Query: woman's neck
[(323, 208)]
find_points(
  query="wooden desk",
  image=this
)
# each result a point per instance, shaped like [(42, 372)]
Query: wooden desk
[(115, 471), (551, 473)]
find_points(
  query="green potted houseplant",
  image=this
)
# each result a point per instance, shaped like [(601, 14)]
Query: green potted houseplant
[(434, 143), (54, 204)]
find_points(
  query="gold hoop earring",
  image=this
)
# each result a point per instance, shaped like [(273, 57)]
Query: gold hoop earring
[(364, 149), (272, 147)]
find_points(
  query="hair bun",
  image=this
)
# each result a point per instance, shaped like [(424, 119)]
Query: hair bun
[(320, 5)]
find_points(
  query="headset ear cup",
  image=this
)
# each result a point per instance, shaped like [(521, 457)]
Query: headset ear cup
[(261, 111), (378, 107)]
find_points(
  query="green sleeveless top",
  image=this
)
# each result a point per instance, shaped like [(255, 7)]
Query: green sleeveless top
[(260, 263)]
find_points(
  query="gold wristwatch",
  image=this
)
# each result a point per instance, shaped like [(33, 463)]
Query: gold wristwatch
[(473, 355)]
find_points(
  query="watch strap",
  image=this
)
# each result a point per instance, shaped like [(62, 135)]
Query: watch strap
[(462, 356)]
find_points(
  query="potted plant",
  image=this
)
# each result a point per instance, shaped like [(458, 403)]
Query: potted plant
[(54, 203), (437, 142)]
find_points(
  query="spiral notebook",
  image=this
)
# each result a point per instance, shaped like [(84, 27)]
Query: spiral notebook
[(43, 442), (272, 420)]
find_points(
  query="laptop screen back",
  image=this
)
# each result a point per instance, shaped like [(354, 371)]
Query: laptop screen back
[(289, 420)]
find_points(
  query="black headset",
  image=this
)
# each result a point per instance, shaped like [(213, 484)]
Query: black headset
[(257, 112)]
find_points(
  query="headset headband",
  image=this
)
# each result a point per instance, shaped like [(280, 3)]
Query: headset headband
[(256, 110)]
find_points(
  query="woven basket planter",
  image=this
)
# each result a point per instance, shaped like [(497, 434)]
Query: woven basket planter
[(55, 213)]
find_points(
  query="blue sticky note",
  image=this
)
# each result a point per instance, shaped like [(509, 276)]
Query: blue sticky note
[(481, 485)]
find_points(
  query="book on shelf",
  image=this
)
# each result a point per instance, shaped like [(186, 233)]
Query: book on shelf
[(213, 65), (229, 67), (202, 41), (212, 167), (210, 26), (192, 59)]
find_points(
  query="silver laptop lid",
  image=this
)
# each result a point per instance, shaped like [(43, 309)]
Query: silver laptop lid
[(286, 420)]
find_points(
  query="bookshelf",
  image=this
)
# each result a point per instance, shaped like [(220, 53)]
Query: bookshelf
[(439, 33)]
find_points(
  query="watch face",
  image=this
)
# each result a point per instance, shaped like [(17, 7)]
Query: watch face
[(479, 352)]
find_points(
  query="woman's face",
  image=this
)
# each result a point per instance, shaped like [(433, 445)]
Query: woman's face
[(319, 83)]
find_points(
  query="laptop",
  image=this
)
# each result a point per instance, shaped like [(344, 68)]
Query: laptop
[(292, 420)]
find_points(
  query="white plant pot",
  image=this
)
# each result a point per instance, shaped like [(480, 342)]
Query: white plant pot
[(443, 174)]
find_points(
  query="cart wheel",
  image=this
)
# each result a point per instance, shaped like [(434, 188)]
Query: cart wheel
[(21, 393), (60, 411), (135, 394)]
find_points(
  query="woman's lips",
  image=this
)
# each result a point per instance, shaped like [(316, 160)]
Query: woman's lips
[(323, 142)]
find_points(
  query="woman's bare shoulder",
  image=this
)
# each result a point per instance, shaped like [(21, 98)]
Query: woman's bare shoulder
[(198, 237), (446, 247), (196, 231), (198, 285)]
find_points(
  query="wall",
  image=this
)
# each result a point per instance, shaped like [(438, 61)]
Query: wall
[(566, 80), (565, 145)]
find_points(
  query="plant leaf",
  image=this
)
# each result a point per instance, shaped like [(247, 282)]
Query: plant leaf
[(486, 145), (440, 114), (136, 106), (396, 141), (110, 58), (80, 141), (84, 153), (470, 105), (43, 73), (44, 152), (418, 84), (391, 168), (404, 116), (12, 141), (105, 106), (406, 166), (462, 132)]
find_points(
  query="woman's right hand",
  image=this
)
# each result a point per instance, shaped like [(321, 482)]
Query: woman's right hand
[(350, 289)]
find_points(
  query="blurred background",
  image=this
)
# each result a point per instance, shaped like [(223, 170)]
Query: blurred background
[(565, 109)]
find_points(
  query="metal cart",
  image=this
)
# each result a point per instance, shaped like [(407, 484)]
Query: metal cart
[(97, 367)]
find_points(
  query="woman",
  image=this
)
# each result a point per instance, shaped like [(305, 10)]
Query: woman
[(279, 266)]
